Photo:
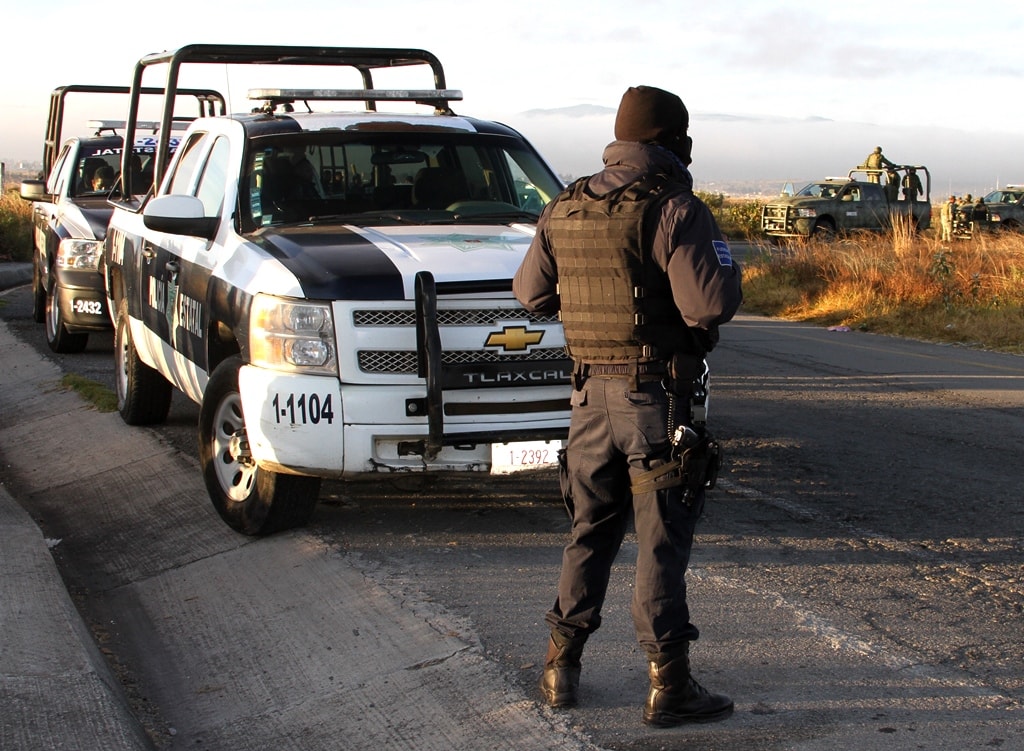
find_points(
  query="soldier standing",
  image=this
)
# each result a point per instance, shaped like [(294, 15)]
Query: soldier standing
[(946, 216), (892, 185), (642, 278), (874, 162), (979, 215), (912, 185)]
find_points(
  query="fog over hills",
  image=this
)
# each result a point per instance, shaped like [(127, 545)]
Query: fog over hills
[(752, 155)]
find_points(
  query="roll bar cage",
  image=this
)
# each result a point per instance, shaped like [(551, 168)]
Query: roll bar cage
[(55, 120), (901, 169), (363, 59)]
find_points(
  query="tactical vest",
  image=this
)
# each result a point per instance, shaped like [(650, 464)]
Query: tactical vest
[(616, 303)]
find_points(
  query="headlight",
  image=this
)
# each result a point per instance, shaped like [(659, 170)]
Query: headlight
[(292, 335), (79, 254), (807, 213), (995, 217)]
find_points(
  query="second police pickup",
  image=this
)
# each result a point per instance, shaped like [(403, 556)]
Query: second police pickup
[(70, 213)]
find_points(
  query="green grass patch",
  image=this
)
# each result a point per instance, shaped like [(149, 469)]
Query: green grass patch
[(95, 393)]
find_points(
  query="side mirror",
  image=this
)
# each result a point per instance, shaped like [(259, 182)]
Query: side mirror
[(180, 215), (34, 190)]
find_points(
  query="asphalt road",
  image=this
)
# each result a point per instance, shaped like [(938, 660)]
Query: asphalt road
[(857, 577)]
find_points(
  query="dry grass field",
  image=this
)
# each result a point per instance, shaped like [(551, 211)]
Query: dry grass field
[(967, 291), (15, 227)]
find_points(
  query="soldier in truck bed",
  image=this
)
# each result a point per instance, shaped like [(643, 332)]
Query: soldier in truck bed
[(876, 160), (912, 185), (892, 185)]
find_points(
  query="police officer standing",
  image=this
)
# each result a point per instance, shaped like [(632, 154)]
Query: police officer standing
[(642, 278)]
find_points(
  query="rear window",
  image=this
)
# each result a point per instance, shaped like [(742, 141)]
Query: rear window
[(98, 167)]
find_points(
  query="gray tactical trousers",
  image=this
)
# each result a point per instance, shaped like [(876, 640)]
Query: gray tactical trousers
[(615, 434)]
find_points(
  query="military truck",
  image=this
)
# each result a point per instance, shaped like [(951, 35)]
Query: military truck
[(1003, 210), (866, 199)]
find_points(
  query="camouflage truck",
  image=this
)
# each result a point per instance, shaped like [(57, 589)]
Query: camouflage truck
[(866, 199), (1003, 209)]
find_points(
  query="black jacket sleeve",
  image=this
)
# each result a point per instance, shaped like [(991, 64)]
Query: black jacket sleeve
[(535, 284)]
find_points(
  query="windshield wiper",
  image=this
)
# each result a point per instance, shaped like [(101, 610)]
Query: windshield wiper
[(364, 217), (504, 217)]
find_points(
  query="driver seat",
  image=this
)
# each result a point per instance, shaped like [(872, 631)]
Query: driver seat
[(438, 187)]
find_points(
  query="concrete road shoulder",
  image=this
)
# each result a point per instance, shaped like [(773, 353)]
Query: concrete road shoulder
[(56, 689), (53, 681)]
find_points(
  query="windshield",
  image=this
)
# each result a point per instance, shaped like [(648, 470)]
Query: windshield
[(819, 190), (1004, 196), (369, 178)]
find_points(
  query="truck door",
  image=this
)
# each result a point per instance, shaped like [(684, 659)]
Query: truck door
[(851, 208), (46, 215), (178, 275), (875, 207)]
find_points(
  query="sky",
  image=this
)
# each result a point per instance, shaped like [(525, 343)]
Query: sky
[(781, 91)]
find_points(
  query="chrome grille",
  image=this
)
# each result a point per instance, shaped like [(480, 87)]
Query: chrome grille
[(404, 362), (448, 317)]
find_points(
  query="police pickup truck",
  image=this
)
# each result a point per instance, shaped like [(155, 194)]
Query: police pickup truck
[(70, 214), (866, 199), (333, 288)]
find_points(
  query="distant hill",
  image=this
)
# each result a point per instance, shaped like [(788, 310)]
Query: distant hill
[(742, 154), (576, 110)]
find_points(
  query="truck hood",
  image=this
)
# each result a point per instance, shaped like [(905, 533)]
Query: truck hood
[(798, 201), (85, 222), (380, 263)]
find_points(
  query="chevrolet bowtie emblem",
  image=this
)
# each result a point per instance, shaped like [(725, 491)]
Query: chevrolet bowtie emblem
[(513, 338)]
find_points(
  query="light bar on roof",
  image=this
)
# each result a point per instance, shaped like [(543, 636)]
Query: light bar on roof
[(357, 95), (178, 123), (99, 125)]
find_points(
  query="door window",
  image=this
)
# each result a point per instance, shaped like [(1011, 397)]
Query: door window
[(212, 183), (185, 168)]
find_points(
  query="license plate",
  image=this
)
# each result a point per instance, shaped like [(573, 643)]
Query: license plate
[(507, 458), (87, 307)]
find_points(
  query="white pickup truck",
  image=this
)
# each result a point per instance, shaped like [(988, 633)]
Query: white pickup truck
[(334, 287)]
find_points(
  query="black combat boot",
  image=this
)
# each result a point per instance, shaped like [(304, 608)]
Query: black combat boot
[(561, 679), (675, 697)]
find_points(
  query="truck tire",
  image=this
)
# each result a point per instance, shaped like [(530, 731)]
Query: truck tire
[(58, 337), (824, 229), (143, 395), (250, 499)]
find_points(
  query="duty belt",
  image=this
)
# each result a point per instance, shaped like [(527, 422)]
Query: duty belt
[(656, 367), (653, 370)]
